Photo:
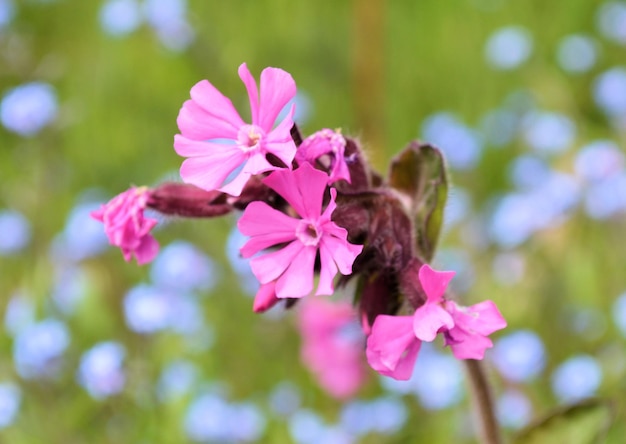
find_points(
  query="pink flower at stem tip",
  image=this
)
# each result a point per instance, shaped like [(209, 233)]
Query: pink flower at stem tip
[(126, 226)]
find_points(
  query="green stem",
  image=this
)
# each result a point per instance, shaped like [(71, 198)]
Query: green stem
[(482, 400)]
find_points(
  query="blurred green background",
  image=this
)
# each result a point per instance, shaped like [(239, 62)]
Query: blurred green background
[(528, 99)]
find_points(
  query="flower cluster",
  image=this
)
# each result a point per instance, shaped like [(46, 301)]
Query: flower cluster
[(314, 207)]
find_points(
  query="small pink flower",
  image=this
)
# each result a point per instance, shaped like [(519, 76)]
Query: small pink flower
[(327, 147), (332, 346), (126, 226), (394, 341), (392, 347), (209, 115), (292, 265)]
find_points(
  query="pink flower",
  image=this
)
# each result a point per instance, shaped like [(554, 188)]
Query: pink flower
[(209, 115), (328, 148), (392, 347), (332, 346), (126, 226), (292, 265), (394, 341)]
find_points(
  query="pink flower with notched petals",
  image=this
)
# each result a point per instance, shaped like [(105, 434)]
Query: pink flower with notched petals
[(126, 226), (394, 341), (209, 115), (328, 148), (292, 266)]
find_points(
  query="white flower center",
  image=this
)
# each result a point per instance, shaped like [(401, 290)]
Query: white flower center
[(308, 233), (250, 138)]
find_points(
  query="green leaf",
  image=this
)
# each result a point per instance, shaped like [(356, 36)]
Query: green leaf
[(419, 173), (586, 422)]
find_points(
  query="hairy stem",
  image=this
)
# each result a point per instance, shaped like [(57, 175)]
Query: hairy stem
[(482, 400)]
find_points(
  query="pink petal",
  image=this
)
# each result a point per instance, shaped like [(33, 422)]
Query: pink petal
[(328, 271), (392, 347), (303, 188), (209, 171), (220, 110), (483, 318), (280, 143), (429, 319), (342, 252), (267, 227), (297, 280), (199, 124), (235, 186), (277, 88), (265, 298), (147, 250), (434, 282), (257, 163), (270, 266), (253, 93), (468, 346), (187, 147), (259, 218)]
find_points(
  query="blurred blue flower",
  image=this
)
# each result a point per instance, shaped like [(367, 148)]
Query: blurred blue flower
[(148, 309), (513, 220), (306, 427), (19, 313), (210, 418), (548, 132), (7, 12), (120, 17), (27, 108), (519, 356), (514, 409), (577, 53), (384, 415), (101, 370), (611, 21), (182, 266), (528, 171), (14, 232), (499, 127), (598, 160), (609, 91), (517, 216), (10, 400), (83, 237), (508, 268), (438, 380), (607, 197), (461, 144), (577, 378), (284, 399), (37, 349), (177, 380), (168, 18), (619, 313), (509, 47)]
